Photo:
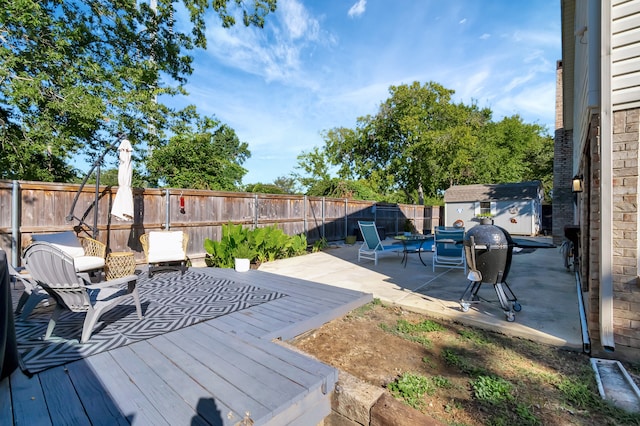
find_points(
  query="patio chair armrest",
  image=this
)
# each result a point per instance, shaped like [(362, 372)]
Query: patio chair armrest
[(93, 247), (113, 283)]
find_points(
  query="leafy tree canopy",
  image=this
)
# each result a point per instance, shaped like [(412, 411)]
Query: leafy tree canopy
[(420, 143), (75, 73), (203, 154)]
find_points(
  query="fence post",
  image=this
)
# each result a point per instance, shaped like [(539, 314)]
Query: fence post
[(304, 216), (255, 211), (15, 223), (323, 232), (167, 225), (346, 217)]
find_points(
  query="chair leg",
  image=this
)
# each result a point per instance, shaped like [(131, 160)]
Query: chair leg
[(52, 322), (136, 299), (32, 302), (23, 299), (89, 322)]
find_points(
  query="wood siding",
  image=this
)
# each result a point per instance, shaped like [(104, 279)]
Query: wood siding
[(625, 54)]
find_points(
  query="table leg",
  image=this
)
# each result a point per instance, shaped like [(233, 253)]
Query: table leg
[(420, 252)]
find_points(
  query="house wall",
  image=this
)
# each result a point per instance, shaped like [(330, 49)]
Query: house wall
[(526, 213), (562, 165), (625, 229), (626, 304), (463, 210), (625, 50)]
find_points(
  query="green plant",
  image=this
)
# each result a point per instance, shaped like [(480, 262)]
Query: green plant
[(404, 326), (270, 242), (454, 360), (409, 226), (526, 417), (261, 244), (298, 245), (484, 214), (221, 253), (244, 251), (493, 390), (362, 310), (578, 392), (319, 245), (473, 335), (441, 382), (411, 388)]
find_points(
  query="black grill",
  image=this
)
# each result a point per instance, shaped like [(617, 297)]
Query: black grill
[(489, 251)]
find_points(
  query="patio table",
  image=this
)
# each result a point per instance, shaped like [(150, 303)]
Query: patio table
[(413, 243)]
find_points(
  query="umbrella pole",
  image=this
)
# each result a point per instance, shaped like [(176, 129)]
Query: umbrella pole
[(95, 204)]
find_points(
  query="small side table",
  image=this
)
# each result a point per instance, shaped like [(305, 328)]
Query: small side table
[(119, 264)]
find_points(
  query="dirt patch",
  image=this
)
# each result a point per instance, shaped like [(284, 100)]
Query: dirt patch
[(464, 376)]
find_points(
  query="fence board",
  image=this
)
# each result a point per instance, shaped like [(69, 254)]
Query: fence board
[(45, 207)]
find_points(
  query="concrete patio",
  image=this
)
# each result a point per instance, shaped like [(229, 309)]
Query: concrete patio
[(544, 288)]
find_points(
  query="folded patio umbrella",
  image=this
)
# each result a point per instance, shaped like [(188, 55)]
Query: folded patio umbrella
[(122, 207)]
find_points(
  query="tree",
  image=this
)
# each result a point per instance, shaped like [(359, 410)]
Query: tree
[(78, 72), (203, 154), (420, 143), (313, 167)]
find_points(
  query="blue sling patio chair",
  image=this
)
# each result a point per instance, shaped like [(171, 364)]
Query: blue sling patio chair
[(448, 250), (372, 245)]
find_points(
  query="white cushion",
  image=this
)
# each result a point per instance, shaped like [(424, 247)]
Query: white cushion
[(65, 241), (88, 263), (165, 246)]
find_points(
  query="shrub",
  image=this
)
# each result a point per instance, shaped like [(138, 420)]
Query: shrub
[(259, 244)]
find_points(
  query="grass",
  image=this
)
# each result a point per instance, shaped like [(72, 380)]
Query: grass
[(508, 403), (461, 375)]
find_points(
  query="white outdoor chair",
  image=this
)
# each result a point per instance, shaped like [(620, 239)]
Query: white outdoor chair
[(165, 250)]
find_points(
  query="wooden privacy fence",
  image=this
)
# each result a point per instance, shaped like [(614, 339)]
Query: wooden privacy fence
[(39, 207)]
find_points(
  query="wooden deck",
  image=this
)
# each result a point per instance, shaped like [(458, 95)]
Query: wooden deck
[(212, 373)]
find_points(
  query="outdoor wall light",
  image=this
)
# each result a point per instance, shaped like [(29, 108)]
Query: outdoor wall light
[(576, 184)]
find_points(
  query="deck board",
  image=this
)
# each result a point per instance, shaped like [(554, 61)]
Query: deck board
[(63, 402), (209, 373), (126, 393), (163, 398), (98, 404), (211, 381), (27, 398)]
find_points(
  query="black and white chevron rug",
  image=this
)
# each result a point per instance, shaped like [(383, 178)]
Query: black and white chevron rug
[(170, 301)]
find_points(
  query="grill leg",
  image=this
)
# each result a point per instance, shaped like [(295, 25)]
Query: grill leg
[(471, 290), (504, 302)]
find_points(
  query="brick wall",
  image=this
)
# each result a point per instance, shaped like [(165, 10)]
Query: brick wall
[(626, 304), (562, 174), (625, 228), (562, 168)]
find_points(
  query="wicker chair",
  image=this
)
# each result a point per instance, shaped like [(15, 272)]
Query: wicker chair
[(88, 254), (165, 250)]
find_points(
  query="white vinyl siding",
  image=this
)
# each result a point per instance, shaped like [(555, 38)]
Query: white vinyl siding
[(625, 54)]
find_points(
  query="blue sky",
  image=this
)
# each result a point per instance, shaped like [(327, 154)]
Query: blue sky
[(319, 64)]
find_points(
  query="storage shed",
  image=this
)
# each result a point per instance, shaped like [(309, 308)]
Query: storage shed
[(516, 207)]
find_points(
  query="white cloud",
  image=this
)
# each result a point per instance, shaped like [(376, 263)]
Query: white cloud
[(274, 52), (358, 8), (297, 21), (312, 69)]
